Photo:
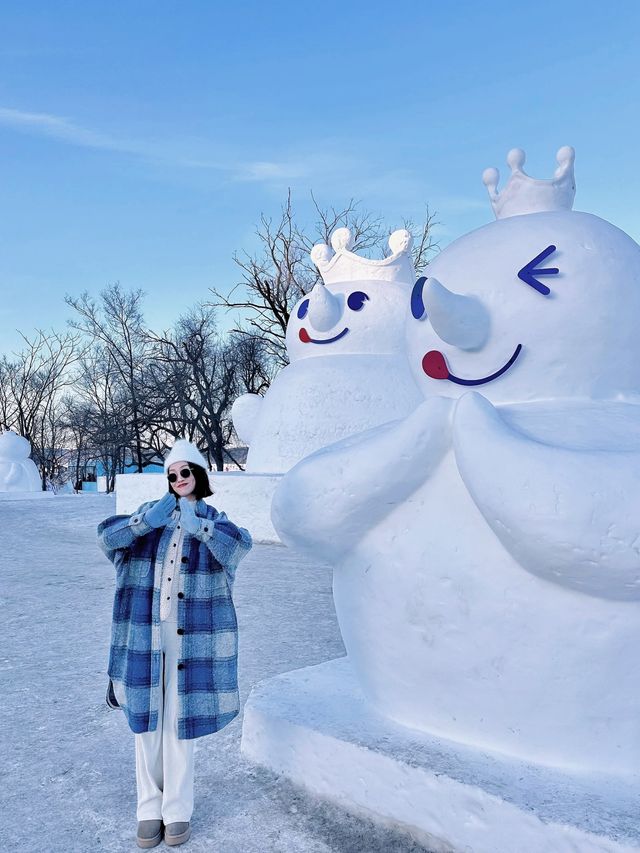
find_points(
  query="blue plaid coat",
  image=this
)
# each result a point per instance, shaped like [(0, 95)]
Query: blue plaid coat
[(208, 668)]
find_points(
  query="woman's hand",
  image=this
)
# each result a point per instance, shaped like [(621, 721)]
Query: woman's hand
[(160, 513), (188, 517)]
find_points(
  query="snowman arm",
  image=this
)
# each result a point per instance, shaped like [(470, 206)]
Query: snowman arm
[(14, 475), (327, 502), (245, 413), (569, 516)]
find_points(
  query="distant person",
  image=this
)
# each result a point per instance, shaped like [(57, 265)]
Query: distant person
[(174, 636)]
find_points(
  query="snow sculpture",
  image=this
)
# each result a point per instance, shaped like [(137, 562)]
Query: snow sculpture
[(487, 546), (18, 473), (347, 370)]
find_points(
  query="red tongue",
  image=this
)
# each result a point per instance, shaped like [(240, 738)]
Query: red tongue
[(434, 365), (304, 336)]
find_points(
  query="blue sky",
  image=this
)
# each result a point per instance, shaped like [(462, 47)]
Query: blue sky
[(140, 141)]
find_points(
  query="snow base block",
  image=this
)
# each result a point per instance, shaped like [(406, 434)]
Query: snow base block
[(314, 726), (246, 498)]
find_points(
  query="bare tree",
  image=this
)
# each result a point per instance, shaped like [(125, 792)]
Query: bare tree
[(424, 244), (275, 278), (31, 386), (196, 374), (77, 417), (48, 446), (34, 377), (98, 415), (7, 403), (116, 321), (254, 367)]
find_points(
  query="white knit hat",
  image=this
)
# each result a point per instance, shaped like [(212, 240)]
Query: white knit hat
[(184, 451)]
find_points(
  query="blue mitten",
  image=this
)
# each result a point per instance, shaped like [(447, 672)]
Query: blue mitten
[(188, 517), (160, 513)]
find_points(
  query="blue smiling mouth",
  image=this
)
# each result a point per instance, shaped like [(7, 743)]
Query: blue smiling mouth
[(307, 339), (435, 366)]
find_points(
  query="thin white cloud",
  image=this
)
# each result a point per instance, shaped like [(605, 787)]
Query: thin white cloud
[(328, 163), (177, 152), (63, 130), (56, 127)]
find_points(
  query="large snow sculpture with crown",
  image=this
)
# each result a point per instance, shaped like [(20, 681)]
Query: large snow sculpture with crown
[(347, 370), (18, 473), (487, 546)]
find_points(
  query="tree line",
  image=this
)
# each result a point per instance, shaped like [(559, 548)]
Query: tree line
[(111, 390)]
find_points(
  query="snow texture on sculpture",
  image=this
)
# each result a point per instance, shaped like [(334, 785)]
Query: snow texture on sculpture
[(487, 546), (18, 473), (347, 371)]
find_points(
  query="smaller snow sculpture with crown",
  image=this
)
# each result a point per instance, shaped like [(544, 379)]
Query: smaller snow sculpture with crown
[(347, 371), (18, 473)]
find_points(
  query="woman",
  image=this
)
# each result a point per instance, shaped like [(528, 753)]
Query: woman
[(174, 641)]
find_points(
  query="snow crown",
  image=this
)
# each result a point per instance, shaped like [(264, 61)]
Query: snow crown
[(523, 194), (338, 264)]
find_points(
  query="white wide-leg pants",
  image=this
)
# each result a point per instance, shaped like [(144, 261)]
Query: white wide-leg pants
[(164, 764)]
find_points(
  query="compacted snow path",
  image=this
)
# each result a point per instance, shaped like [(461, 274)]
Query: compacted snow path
[(67, 775)]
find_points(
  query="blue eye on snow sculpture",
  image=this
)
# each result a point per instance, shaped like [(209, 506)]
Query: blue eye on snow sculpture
[(417, 302), (356, 300), (531, 272), (302, 310)]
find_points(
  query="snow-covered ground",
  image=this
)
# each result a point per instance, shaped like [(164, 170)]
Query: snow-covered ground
[(67, 775)]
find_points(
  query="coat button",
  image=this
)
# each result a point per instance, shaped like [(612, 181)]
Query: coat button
[(181, 595), (180, 666), (185, 559), (180, 630)]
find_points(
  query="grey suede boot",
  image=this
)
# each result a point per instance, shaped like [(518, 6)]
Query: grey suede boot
[(149, 833), (176, 833)]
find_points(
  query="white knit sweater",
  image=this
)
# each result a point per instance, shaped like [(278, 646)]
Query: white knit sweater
[(171, 574)]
